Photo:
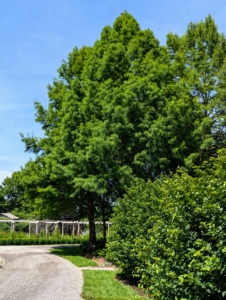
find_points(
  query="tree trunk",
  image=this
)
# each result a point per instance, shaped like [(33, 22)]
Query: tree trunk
[(92, 230), (104, 220)]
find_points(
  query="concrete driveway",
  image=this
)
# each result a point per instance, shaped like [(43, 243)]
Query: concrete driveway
[(31, 272)]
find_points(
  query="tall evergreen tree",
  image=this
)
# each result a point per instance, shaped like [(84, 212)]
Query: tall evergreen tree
[(124, 109)]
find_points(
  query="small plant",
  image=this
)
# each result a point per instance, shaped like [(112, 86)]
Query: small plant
[(56, 234), (42, 234)]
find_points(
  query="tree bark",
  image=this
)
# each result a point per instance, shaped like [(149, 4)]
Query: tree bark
[(92, 229), (104, 219)]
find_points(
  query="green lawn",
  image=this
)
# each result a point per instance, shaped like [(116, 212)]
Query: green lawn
[(102, 285), (71, 254)]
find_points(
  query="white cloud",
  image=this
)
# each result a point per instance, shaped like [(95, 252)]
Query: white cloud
[(4, 174)]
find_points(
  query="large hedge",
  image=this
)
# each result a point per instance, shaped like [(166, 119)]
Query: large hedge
[(171, 234)]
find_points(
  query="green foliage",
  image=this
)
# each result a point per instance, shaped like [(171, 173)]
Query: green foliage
[(198, 64), (35, 241), (4, 227), (41, 241), (17, 241), (56, 234), (21, 238), (171, 233), (14, 201), (2, 241), (9, 241)]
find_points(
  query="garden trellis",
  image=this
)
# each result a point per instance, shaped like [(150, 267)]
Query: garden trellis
[(76, 225)]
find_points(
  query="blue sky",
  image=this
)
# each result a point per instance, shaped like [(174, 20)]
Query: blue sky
[(37, 35)]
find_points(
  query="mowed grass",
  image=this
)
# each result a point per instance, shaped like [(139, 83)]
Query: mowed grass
[(102, 285), (71, 254)]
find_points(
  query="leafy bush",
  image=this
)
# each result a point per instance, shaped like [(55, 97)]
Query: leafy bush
[(35, 241), (54, 241), (21, 238), (67, 241), (9, 241), (23, 241), (75, 240), (56, 234), (2, 241), (171, 234), (17, 241), (4, 227)]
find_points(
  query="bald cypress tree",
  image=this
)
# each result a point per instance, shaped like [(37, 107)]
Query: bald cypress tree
[(198, 60), (124, 109)]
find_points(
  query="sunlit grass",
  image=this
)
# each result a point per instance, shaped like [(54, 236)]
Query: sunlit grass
[(102, 285)]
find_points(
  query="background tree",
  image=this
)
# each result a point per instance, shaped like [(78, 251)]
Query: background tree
[(198, 66), (13, 197)]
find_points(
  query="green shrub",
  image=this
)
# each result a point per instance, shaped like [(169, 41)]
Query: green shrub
[(47, 241), (171, 234), (29, 241), (35, 241), (2, 241), (24, 241), (53, 240), (56, 234), (75, 240), (67, 241), (41, 241), (17, 241), (9, 241)]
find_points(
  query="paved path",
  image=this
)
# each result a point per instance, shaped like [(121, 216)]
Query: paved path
[(32, 273)]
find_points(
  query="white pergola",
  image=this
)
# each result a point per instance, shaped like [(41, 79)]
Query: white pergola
[(15, 220)]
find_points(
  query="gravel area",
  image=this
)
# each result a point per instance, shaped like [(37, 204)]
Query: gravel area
[(32, 273)]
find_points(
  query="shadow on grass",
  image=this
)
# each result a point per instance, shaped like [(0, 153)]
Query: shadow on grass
[(63, 250), (73, 254)]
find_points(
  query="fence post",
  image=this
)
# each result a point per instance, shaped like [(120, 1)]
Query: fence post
[(37, 227), (46, 229), (78, 229), (73, 228)]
